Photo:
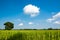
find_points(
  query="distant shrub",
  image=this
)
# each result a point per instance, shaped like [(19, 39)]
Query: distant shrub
[(50, 29)]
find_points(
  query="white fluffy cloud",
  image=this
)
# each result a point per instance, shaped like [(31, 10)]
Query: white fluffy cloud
[(54, 18), (32, 10), (30, 23), (21, 24)]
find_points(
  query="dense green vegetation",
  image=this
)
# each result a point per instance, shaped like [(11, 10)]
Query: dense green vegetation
[(29, 34), (8, 25)]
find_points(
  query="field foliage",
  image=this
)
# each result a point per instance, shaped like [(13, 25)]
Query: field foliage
[(29, 34)]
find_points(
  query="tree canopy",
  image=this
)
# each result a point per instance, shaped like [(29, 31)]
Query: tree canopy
[(8, 25)]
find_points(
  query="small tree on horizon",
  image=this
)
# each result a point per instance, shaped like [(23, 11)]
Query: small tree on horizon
[(8, 25), (50, 29)]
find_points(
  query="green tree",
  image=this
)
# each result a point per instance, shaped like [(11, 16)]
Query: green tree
[(9, 25)]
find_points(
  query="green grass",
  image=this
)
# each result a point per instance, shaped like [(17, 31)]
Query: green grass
[(29, 34)]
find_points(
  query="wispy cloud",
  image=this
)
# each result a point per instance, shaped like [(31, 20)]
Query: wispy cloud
[(21, 24), (32, 10), (57, 22), (55, 18), (18, 20), (30, 23)]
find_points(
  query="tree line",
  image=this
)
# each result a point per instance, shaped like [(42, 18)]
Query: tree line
[(10, 25)]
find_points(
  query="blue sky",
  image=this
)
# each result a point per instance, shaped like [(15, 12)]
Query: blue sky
[(47, 16)]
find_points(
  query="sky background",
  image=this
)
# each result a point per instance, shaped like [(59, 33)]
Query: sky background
[(44, 14)]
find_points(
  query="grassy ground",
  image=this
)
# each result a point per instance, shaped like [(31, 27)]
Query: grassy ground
[(29, 34)]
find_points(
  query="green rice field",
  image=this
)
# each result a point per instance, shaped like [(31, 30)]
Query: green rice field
[(29, 34)]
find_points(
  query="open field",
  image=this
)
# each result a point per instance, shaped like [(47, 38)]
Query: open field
[(29, 34)]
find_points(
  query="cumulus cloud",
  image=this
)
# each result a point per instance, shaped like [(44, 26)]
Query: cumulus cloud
[(54, 18), (32, 10), (30, 23), (21, 24)]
